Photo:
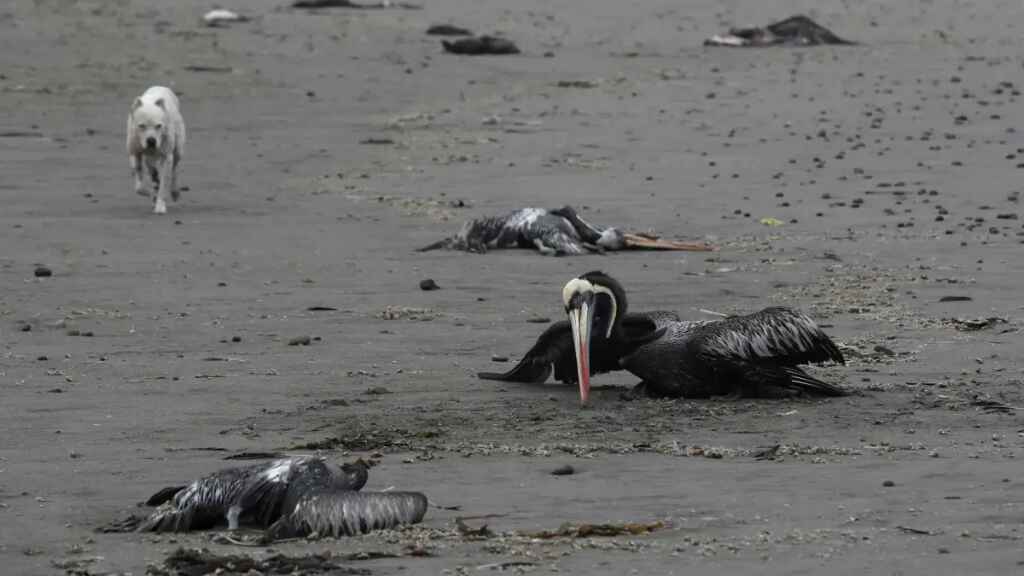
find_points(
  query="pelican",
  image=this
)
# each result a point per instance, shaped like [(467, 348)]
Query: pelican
[(558, 232), (753, 356), (796, 30), (292, 496)]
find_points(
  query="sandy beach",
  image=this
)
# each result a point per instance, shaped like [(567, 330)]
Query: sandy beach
[(875, 187)]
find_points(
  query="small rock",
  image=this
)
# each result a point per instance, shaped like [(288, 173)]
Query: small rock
[(428, 285), (499, 358), (300, 341), (888, 483), (955, 299), (26, 328), (480, 45), (447, 30), (236, 339), (539, 320), (563, 470), (884, 351), (221, 17), (377, 391), (43, 272)]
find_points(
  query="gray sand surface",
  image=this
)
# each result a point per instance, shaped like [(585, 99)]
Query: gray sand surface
[(894, 168)]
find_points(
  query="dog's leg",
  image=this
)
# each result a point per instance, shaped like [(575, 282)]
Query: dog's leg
[(137, 168), (166, 171), (175, 193)]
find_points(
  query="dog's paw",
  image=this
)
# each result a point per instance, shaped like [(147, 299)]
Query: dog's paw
[(159, 207)]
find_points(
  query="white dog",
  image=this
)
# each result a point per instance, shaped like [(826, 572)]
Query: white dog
[(156, 142)]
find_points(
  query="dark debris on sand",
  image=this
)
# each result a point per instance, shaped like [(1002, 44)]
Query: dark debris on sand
[(481, 46), (448, 30), (186, 562), (606, 530), (314, 4)]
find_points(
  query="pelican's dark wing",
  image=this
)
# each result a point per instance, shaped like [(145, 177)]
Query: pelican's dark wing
[(264, 495), (275, 490), (761, 352), (754, 356), (164, 495), (554, 349), (803, 31), (780, 334), (200, 505), (326, 512)]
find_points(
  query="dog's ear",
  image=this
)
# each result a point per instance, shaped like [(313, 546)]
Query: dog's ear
[(159, 102), (136, 104)]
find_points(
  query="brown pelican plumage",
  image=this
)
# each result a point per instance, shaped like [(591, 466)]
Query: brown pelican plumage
[(558, 232), (796, 30), (755, 356), (288, 495)]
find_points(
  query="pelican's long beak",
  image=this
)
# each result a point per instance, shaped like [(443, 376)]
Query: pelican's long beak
[(642, 242), (581, 315)]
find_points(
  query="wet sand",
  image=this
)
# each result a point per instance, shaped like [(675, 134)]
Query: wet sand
[(892, 167)]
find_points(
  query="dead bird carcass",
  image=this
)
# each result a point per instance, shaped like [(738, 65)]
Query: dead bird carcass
[(793, 31), (558, 232), (294, 496)]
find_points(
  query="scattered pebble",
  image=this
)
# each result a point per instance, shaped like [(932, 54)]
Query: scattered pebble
[(300, 341), (499, 358), (43, 272), (448, 30), (563, 470), (955, 299), (428, 285), (888, 483), (481, 46)]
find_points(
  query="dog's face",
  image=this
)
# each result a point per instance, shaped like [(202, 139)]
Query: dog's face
[(150, 123)]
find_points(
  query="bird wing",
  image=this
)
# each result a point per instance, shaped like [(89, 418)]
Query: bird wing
[(783, 335), (200, 505), (554, 349), (164, 495), (326, 512), (265, 494), (196, 507)]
